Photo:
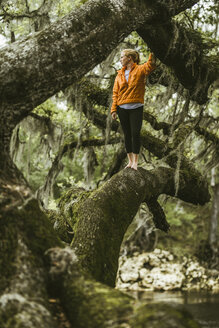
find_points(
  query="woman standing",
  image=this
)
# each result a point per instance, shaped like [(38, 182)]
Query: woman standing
[(128, 100)]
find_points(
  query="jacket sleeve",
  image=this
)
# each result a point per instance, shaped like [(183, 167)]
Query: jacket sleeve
[(115, 95), (148, 67)]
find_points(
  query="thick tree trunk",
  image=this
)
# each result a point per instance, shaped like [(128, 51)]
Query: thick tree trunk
[(25, 235), (14, 189)]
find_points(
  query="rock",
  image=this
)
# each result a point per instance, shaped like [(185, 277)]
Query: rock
[(157, 271), (146, 284), (129, 276), (168, 277), (157, 251), (122, 285), (142, 273), (154, 261), (170, 257), (134, 286)]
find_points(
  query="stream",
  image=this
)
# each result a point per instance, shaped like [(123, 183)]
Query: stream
[(204, 306)]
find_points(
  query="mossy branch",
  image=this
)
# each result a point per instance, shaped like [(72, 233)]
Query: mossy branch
[(182, 50), (100, 219)]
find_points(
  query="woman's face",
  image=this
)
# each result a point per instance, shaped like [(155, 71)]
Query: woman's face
[(124, 60)]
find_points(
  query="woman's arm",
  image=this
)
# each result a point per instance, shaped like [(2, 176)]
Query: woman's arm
[(150, 65)]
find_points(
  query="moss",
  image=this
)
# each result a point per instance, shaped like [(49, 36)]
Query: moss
[(151, 315), (87, 301), (90, 303), (95, 94), (61, 226), (69, 204)]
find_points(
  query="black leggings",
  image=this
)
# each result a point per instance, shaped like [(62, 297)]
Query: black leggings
[(131, 122)]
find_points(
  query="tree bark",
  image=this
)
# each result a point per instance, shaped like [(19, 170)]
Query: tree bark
[(25, 234)]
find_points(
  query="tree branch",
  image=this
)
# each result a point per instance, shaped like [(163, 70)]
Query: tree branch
[(98, 233), (56, 57), (182, 50)]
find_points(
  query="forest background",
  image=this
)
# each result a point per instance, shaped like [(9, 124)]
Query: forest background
[(69, 141)]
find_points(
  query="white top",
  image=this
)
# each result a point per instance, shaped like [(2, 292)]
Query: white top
[(129, 105), (127, 71)]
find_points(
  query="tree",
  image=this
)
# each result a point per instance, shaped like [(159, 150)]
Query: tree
[(34, 69)]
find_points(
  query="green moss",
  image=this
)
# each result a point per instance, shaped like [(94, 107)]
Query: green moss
[(69, 204), (61, 226), (84, 299), (95, 94), (151, 315)]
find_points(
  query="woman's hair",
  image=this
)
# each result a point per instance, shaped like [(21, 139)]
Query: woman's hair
[(132, 53)]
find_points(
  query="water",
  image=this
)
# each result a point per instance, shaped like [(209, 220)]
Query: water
[(204, 306)]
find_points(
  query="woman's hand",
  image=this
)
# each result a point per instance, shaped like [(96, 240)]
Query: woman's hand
[(153, 58), (114, 115)]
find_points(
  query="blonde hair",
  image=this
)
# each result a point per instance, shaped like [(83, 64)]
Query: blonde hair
[(132, 53)]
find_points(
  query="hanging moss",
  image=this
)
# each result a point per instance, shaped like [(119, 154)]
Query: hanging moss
[(180, 134)]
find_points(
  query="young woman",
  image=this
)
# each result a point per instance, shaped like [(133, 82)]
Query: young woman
[(128, 100)]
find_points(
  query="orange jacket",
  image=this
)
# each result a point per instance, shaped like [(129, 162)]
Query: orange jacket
[(134, 90)]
